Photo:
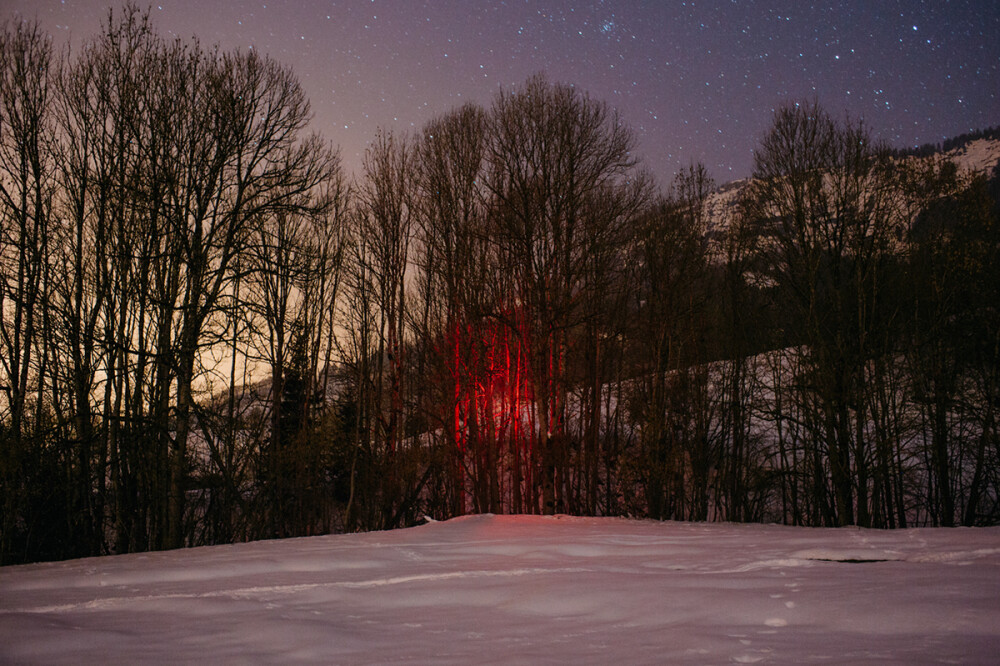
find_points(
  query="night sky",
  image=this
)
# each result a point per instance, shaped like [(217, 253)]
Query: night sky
[(697, 80)]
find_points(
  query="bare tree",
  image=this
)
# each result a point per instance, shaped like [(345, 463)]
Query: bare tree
[(384, 218), (554, 154), (458, 297), (822, 196), (671, 305), (951, 341), (26, 194)]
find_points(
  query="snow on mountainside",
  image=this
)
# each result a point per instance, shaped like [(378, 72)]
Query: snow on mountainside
[(979, 156), (524, 589)]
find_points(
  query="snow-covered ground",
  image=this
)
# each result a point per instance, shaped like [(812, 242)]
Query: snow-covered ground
[(527, 590)]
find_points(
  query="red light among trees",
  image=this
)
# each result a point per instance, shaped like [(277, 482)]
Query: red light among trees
[(492, 414)]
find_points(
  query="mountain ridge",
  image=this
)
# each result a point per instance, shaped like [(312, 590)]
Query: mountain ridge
[(977, 155)]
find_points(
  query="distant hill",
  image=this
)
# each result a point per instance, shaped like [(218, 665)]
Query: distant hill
[(973, 152), (977, 154), (948, 145)]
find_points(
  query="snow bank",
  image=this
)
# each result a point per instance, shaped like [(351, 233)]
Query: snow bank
[(524, 589)]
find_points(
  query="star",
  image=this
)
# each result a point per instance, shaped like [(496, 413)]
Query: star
[(367, 65)]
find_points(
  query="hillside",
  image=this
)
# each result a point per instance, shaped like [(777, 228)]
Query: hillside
[(981, 155), (978, 155)]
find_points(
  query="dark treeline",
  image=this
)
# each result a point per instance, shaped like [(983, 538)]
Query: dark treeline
[(960, 141), (210, 334)]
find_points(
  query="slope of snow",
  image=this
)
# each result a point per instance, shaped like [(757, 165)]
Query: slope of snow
[(980, 156), (524, 589)]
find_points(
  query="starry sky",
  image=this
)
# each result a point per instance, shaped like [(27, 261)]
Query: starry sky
[(698, 80)]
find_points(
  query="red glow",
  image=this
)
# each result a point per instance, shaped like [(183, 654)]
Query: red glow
[(492, 418)]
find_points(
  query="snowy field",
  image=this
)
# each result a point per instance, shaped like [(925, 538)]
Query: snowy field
[(522, 589)]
